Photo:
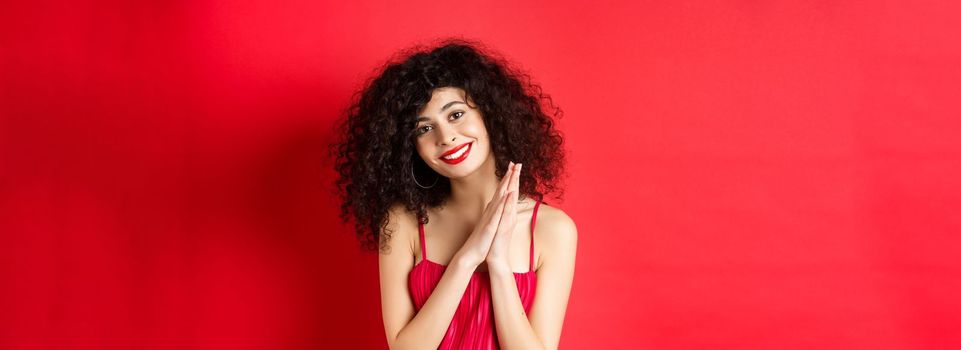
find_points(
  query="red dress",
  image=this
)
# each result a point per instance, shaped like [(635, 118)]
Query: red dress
[(473, 324)]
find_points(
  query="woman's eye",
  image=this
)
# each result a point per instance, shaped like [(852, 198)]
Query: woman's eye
[(422, 129)]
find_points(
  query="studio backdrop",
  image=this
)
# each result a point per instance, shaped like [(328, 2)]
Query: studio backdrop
[(742, 174)]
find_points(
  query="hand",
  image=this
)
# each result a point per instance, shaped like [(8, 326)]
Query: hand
[(499, 247), (476, 248)]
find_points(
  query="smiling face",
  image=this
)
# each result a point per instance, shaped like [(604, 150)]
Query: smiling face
[(449, 125)]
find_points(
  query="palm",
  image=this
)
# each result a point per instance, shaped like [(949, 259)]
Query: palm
[(499, 247)]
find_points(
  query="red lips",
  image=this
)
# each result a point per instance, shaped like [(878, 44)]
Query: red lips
[(454, 150)]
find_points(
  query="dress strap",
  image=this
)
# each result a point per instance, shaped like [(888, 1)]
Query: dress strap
[(533, 221), (423, 242)]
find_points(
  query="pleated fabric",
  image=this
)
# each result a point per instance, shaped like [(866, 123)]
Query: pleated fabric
[(473, 324)]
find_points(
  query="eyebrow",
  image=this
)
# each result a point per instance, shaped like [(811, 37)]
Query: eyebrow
[(451, 103)]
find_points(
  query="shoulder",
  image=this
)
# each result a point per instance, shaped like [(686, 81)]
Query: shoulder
[(400, 229), (554, 230), (555, 219)]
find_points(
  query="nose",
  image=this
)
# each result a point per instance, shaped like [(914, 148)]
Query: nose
[(447, 134)]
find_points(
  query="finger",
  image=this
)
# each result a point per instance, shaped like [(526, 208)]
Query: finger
[(516, 178), (502, 188), (505, 181), (495, 217), (509, 213)]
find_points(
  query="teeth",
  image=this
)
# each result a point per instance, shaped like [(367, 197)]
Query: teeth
[(457, 154)]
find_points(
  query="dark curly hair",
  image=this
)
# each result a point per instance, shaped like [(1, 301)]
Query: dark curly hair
[(374, 147)]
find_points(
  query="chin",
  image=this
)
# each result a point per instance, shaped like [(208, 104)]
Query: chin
[(463, 170)]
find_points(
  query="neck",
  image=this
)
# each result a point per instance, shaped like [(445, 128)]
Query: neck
[(470, 194)]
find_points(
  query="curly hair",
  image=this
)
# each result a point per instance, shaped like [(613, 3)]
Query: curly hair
[(374, 146)]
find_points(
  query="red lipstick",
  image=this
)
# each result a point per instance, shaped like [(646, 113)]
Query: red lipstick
[(454, 150)]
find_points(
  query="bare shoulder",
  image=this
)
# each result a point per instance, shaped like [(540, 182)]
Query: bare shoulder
[(554, 231), (554, 219), (398, 231)]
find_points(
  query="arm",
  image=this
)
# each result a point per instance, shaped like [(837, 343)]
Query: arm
[(405, 328), (542, 330), (426, 328)]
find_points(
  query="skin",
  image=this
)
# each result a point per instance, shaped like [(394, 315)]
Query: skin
[(483, 226)]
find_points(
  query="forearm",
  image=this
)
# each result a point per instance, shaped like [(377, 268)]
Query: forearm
[(426, 330), (513, 328)]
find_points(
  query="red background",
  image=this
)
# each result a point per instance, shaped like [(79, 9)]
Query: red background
[(744, 174)]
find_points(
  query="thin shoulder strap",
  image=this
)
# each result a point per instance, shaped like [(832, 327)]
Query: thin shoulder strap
[(533, 221), (423, 242)]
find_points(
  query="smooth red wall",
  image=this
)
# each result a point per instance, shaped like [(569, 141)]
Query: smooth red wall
[(743, 174)]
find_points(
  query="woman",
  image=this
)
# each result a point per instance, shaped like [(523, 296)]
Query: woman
[(430, 163)]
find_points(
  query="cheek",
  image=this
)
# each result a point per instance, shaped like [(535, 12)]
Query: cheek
[(422, 149), (476, 129)]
